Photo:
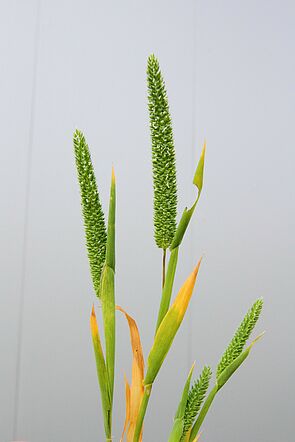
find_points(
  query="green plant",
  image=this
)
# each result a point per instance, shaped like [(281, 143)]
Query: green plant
[(100, 243)]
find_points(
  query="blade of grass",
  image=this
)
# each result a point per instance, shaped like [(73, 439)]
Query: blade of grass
[(221, 380), (177, 429), (179, 234), (169, 326), (101, 374), (163, 341), (168, 286), (108, 292), (142, 411)]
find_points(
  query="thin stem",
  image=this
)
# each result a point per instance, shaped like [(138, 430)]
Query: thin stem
[(142, 411), (163, 268), (167, 289)]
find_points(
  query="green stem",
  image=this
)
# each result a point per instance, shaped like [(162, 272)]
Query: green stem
[(169, 280), (163, 268), (142, 411), (168, 286)]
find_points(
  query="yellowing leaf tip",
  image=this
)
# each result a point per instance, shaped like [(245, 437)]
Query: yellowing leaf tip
[(196, 269), (204, 148), (93, 322)]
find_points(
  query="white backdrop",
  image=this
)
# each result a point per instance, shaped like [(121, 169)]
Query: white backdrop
[(229, 69)]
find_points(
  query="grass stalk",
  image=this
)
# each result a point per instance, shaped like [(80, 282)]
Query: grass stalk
[(164, 267), (142, 411)]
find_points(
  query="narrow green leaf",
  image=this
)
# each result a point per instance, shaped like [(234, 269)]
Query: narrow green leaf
[(142, 411), (199, 175), (168, 286), (94, 223), (108, 292), (179, 234), (231, 363), (101, 374), (169, 326), (177, 429), (231, 368), (163, 156), (188, 213), (163, 341)]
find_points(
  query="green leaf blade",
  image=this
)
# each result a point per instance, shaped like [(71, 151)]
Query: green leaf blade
[(101, 374), (177, 429), (188, 213), (230, 369), (108, 291), (168, 286)]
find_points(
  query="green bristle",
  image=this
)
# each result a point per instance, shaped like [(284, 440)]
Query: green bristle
[(95, 229), (163, 157)]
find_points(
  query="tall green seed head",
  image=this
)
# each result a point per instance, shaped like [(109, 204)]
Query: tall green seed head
[(241, 336), (95, 230), (163, 157)]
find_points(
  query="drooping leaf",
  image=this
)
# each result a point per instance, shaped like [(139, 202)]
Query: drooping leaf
[(136, 390)]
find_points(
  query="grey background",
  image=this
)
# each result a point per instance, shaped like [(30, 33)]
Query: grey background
[(229, 69)]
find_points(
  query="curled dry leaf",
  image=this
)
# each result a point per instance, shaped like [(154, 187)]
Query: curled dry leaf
[(135, 391)]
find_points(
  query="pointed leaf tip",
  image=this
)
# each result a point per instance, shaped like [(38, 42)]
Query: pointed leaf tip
[(113, 175), (204, 147), (199, 175), (196, 269), (257, 338), (93, 322)]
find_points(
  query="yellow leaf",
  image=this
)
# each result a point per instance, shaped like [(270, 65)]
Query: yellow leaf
[(169, 326), (185, 293), (136, 390), (93, 323), (127, 412)]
